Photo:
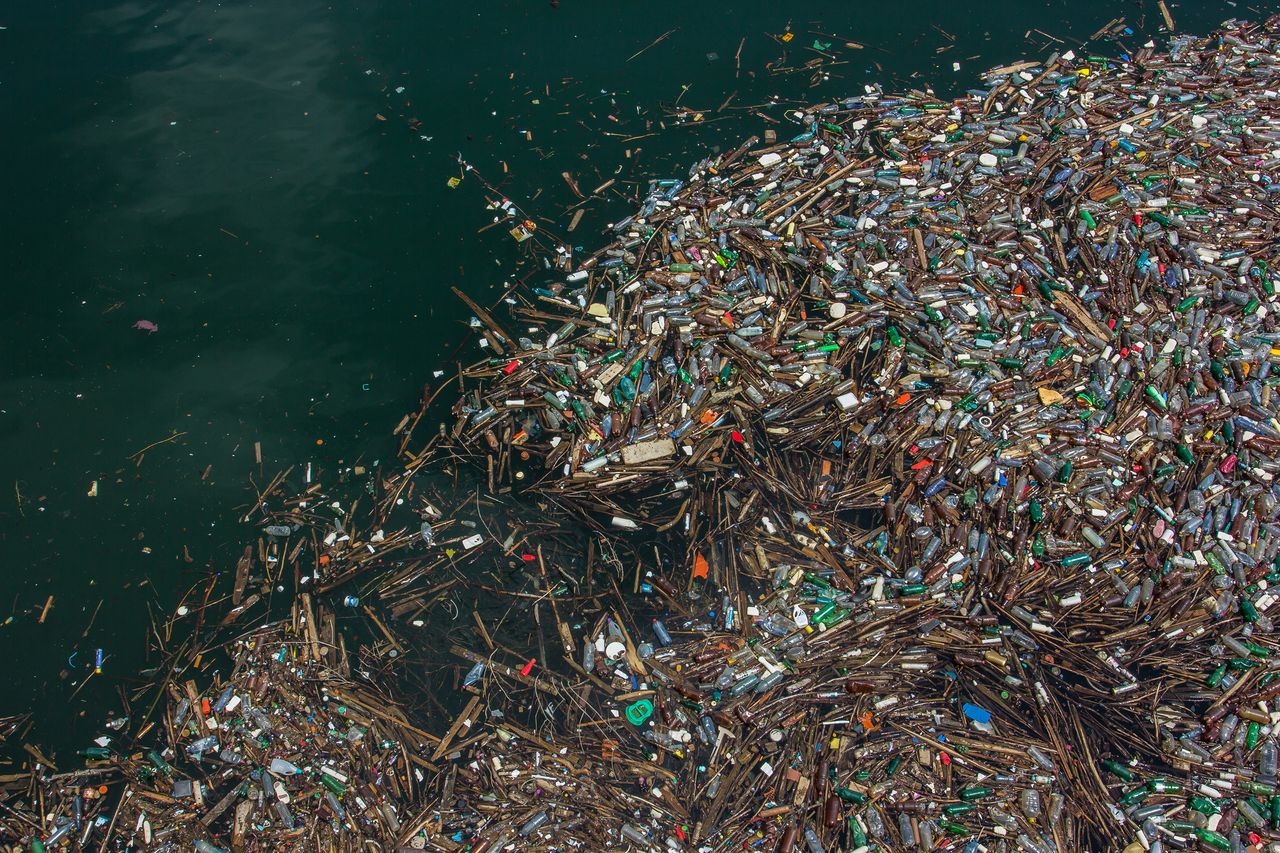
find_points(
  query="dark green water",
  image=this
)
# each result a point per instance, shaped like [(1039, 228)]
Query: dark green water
[(220, 170)]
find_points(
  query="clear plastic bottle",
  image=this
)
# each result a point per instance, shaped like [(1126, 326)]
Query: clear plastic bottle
[(202, 745), (281, 767), (203, 846), (531, 825)]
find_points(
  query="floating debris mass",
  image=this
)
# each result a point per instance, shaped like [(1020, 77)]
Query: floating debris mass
[(954, 427)]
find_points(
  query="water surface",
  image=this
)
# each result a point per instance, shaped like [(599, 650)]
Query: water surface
[(266, 182)]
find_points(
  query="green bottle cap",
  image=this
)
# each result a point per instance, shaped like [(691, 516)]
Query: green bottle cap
[(638, 712)]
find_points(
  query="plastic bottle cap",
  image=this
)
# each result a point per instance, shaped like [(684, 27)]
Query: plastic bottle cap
[(638, 712)]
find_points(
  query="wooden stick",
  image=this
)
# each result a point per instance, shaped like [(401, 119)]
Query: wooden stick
[(656, 41), (464, 719), (106, 837), (176, 435), (483, 315), (503, 669)]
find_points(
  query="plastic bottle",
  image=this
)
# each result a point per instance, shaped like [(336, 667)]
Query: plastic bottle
[(203, 846), (635, 836), (60, 831), (202, 745), (281, 767), (660, 631), (474, 674), (531, 825)]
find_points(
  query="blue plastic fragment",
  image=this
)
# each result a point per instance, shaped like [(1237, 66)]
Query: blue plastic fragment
[(978, 715)]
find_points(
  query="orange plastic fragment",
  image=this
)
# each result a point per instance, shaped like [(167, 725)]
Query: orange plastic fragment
[(700, 567)]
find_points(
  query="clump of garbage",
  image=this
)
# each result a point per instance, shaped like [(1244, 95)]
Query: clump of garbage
[(904, 485)]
